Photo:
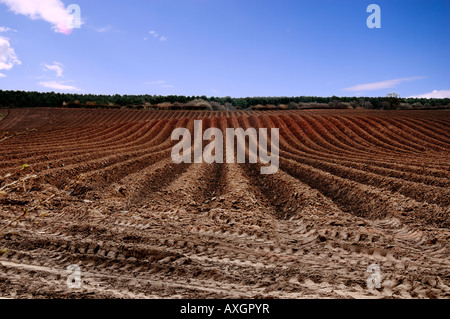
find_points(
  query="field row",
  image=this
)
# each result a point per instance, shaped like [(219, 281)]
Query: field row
[(354, 188)]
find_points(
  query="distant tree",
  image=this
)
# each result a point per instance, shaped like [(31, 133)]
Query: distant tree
[(385, 105), (199, 104), (21, 99), (229, 106), (164, 106), (334, 103), (394, 101), (293, 106), (405, 106), (217, 106), (365, 104)]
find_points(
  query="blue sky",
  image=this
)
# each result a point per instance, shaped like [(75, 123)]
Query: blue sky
[(227, 47)]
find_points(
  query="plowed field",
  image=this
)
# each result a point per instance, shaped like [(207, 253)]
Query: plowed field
[(100, 190)]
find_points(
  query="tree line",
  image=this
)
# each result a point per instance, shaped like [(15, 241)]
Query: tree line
[(22, 99)]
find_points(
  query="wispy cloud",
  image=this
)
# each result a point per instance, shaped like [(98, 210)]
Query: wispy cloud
[(155, 82), (388, 84), (55, 84), (157, 36), (104, 29), (52, 11), (162, 84), (443, 94), (8, 57), (6, 29), (60, 86), (57, 67), (2, 75)]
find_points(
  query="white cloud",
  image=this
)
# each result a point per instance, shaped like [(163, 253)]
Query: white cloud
[(160, 83), (55, 84), (443, 94), (157, 36), (8, 57), (6, 29), (2, 75), (156, 82), (388, 84), (60, 86), (57, 67), (104, 29), (52, 11)]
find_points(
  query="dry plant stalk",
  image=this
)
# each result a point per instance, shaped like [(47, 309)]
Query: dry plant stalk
[(25, 212), (8, 188)]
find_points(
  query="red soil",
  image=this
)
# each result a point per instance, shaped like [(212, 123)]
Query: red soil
[(354, 188)]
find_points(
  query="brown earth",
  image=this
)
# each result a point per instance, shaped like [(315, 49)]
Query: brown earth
[(99, 189), (3, 114)]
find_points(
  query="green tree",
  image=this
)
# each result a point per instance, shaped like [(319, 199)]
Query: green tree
[(394, 101)]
